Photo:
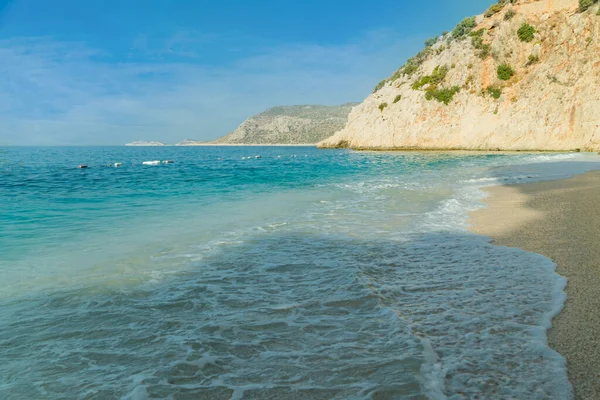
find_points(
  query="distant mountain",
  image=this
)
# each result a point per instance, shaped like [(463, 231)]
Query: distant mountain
[(190, 142), (143, 143), (306, 124)]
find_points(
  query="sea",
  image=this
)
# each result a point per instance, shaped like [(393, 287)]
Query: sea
[(270, 273)]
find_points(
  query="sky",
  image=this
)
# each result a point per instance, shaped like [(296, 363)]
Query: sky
[(107, 72)]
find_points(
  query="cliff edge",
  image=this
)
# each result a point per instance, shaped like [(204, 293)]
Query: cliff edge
[(523, 76)]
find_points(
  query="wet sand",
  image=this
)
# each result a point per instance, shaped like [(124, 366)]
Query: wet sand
[(561, 220)]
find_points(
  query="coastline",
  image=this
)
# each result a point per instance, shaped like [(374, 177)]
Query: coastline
[(558, 219), (245, 145), (220, 145)]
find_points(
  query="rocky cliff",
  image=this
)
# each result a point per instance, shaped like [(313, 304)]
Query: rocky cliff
[(306, 124), (523, 76)]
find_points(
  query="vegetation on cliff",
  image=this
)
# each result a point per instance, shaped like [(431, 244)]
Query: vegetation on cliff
[(532, 61), (465, 29), (477, 42), (494, 92), (442, 95), (585, 4), (505, 72), (526, 32)]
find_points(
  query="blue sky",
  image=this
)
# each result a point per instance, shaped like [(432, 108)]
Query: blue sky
[(102, 72)]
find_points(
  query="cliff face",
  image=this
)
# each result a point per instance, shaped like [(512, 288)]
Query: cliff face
[(290, 125), (551, 102)]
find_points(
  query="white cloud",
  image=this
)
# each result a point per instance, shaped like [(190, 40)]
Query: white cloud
[(65, 93)]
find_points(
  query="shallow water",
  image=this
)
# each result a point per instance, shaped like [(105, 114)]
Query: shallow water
[(300, 274)]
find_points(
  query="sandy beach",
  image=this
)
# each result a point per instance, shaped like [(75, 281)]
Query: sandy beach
[(560, 220)]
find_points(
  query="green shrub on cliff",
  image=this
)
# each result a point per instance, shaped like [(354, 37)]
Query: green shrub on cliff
[(397, 98), (494, 92), (485, 51), (526, 32), (464, 28), (585, 4), (382, 106), (477, 38), (410, 69), (510, 14), (442, 95), (437, 76), (505, 72), (380, 85), (469, 81), (494, 9), (533, 58), (477, 42), (431, 41), (477, 33), (419, 83)]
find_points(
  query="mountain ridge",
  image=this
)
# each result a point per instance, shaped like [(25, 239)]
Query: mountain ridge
[(301, 124)]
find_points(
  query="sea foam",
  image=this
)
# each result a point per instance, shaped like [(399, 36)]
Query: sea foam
[(345, 275)]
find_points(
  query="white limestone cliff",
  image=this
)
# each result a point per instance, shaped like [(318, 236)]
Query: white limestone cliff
[(551, 103)]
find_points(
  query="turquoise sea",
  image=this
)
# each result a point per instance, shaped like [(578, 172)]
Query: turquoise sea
[(302, 274)]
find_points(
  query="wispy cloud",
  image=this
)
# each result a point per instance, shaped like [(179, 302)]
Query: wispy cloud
[(54, 93), (185, 44)]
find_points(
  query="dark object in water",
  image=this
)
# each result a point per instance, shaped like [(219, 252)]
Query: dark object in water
[(82, 166)]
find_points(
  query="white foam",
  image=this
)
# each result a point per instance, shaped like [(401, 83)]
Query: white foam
[(139, 393), (366, 283), (432, 373)]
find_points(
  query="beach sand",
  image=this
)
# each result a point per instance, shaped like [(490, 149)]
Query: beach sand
[(561, 220)]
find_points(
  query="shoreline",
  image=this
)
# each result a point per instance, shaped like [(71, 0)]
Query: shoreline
[(558, 219)]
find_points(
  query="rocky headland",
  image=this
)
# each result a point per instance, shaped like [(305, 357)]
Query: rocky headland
[(522, 76), (304, 124)]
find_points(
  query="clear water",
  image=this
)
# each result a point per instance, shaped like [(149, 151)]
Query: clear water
[(301, 274)]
